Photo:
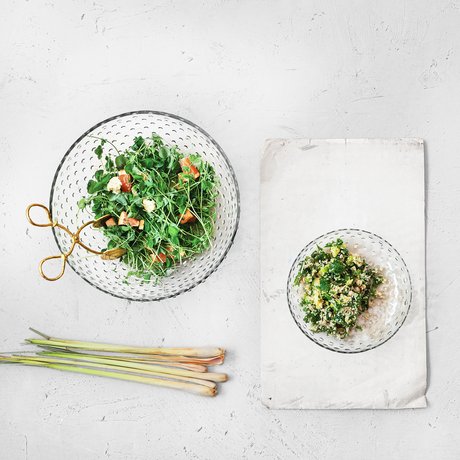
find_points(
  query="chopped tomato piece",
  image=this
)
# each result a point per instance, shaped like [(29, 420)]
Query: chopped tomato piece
[(110, 222), (187, 217), (125, 184), (169, 249), (158, 257), (170, 256), (125, 220), (185, 162), (125, 181), (133, 222)]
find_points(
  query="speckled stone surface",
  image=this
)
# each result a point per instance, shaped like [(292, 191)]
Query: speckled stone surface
[(245, 72)]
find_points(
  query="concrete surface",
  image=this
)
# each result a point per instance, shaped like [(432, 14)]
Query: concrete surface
[(245, 72)]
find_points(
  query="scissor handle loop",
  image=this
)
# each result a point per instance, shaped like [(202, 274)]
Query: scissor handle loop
[(40, 267), (75, 239), (50, 221)]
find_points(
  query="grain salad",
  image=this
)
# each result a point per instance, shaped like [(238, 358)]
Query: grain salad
[(337, 287)]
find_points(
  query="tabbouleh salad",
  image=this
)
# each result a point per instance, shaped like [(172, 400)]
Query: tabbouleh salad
[(338, 287)]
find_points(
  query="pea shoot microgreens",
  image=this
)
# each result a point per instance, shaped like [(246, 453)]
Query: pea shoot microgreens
[(155, 174)]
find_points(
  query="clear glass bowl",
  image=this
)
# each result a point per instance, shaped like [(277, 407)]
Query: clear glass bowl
[(77, 168), (383, 320)]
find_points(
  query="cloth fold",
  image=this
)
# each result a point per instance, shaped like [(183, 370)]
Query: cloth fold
[(310, 187)]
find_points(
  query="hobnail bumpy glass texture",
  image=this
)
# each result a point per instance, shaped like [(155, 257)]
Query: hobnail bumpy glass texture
[(78, 167), (385, 319)]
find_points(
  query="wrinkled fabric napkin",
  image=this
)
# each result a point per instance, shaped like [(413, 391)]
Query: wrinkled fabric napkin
[(310, 187)]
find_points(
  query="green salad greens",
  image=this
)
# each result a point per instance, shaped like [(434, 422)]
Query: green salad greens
[(161, 204), (338, 286)]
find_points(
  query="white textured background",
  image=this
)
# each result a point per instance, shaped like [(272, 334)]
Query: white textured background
[(244, 71)]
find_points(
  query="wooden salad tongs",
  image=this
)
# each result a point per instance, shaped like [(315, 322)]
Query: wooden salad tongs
[(111, 254)]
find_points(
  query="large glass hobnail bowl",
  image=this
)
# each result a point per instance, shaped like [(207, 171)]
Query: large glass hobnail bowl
[(385, 317), (79, 165)]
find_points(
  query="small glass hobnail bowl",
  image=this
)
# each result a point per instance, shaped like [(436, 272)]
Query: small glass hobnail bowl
[(79, 165), (385, 317)]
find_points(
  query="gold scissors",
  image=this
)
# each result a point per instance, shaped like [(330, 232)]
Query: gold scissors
[(111, 254)]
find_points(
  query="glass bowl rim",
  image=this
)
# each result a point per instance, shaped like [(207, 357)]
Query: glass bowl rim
[(324, 345), (218, 148)]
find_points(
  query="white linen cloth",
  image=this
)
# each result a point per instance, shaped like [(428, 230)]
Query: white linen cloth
[(310, 187)]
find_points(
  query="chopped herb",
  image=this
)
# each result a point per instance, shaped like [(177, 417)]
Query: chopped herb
[(338, 287)]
